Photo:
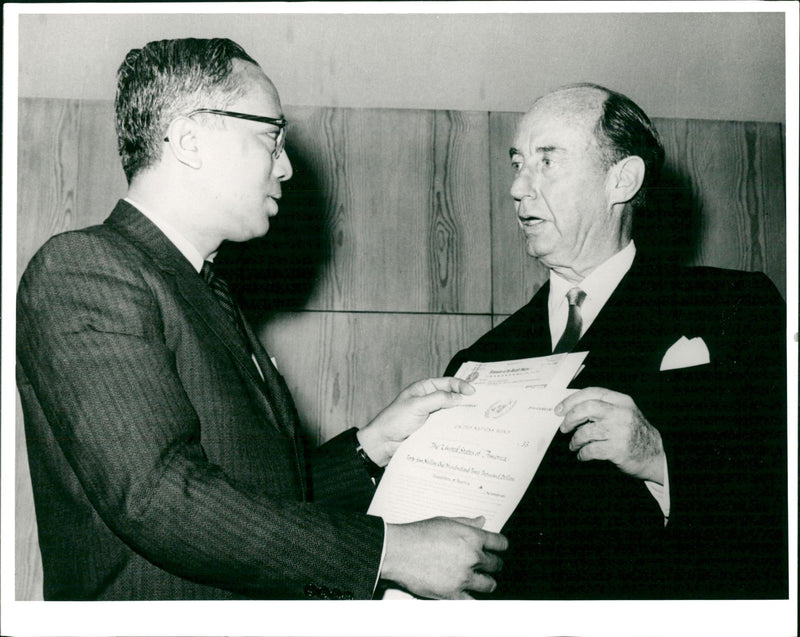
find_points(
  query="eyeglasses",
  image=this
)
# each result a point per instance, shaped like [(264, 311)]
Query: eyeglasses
[(281, 123)]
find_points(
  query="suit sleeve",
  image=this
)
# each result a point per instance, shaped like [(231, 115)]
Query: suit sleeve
[(339, 478), (91, 343)]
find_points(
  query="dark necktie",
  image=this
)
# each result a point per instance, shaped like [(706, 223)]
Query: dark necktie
[(221, 290), (280, 399), (574, 322)]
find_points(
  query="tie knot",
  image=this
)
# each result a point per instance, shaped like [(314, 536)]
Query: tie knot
[(221, 291), (213, 280), (207, 272), (576, 296)]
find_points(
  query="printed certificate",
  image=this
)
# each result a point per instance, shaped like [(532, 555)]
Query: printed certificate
[(478, 458)]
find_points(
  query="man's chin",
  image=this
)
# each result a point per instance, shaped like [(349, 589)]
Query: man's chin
[(534, 248), (252, 232)]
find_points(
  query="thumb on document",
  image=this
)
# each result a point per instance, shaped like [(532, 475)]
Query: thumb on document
[(476, 522)]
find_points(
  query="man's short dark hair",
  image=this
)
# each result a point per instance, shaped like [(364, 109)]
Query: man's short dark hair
[(624, 129), (163, 80)]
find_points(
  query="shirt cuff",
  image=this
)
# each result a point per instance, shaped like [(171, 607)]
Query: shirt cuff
[(661, 492)]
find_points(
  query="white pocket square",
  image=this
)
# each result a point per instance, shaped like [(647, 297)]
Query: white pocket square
[(686, 352)]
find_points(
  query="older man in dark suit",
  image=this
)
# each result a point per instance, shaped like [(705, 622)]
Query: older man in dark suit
[(668, 476), (162, 440)]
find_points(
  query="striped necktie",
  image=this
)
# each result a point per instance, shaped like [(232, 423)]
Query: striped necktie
[(221, 290), (572, 334)]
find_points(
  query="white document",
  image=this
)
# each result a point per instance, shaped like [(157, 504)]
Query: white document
[(478, 458), (545, 372)]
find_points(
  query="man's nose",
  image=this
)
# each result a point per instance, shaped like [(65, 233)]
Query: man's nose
[(282, 167), (523, 186)]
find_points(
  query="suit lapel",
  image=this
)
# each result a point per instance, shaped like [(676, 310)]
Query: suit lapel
[(197, 294), (633, 329), (280, 398), (142, 232)]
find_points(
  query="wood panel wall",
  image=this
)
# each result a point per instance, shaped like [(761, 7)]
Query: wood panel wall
[(396, 244)]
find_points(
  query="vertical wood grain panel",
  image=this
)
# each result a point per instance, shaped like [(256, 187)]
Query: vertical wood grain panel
[(735, 172), (406, 208), (47, 172), (101, 181), (459, 227), (27, 557), (351, 365), (515, 275), (69, 173), (771, 183)]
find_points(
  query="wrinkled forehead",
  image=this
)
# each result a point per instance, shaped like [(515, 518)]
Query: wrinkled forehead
[(568, 117)]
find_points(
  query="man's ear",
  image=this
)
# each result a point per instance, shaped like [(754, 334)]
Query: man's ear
[(625, 179), (182, 142)]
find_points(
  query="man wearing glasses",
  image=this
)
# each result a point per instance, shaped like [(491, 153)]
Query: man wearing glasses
[(162, 441)]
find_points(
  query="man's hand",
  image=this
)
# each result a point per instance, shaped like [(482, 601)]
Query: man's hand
[(407, 413), (443, 558), (609, 426)]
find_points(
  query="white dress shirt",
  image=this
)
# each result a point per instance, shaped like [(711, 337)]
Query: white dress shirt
[(599, 286)]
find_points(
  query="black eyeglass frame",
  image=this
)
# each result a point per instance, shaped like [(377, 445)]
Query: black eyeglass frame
[(280, 122)]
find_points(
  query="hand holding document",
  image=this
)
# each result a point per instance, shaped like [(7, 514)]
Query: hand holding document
[(478, 458)]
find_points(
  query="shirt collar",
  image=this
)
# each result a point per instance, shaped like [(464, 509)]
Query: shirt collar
[(185, 246), (600, 283)]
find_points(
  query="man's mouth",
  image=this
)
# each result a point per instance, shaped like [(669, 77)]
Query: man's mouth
[(530, 221), (275, 201)]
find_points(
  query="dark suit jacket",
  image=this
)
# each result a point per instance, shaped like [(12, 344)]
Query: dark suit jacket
[(161, 468), (585, 530)]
